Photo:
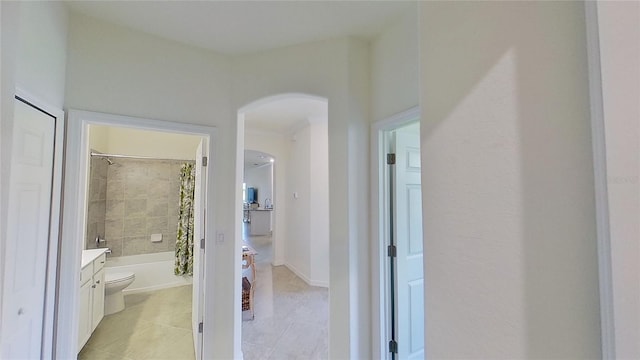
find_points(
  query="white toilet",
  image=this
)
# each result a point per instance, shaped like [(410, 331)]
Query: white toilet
[(114, 283)]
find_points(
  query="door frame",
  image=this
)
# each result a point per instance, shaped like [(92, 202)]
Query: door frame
[(380, 316), (75, 207), (599, 149)]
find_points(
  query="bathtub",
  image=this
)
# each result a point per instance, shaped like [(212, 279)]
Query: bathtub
[(153, 271)]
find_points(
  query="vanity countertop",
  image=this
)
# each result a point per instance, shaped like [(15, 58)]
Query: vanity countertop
[(89, 255)]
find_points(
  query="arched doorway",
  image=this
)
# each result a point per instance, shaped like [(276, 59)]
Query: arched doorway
[(293, 129)]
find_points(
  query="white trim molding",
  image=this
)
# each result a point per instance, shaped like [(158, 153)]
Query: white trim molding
[(607, 326), (379, 314)]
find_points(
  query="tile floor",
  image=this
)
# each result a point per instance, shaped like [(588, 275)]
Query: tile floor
[(154, 325), (291, 320), (291, 317)]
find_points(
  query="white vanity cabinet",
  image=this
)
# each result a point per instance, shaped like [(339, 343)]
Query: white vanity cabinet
[(91, 306)]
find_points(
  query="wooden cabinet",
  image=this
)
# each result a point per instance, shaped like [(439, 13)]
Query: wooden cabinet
[(91, 306)]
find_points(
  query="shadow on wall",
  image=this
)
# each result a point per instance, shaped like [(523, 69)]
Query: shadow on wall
[(506, 123)]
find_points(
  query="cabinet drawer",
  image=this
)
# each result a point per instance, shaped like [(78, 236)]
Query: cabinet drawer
[(86, 273), (98, 263)]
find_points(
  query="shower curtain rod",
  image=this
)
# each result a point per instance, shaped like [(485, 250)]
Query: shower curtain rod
[(118, 156)]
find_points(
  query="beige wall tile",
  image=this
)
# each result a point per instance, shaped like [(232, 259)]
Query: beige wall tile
[(115, 244), (115, 189), (114, 209), (113, 229), (156, 225), (171, 240), (135, 226), (158, 247), (159, 171), (117, 171), (135, 245), (141, 197), (157, 207), (136, 188), (137, 169), (96, 211), (135, 208), (158, 189)]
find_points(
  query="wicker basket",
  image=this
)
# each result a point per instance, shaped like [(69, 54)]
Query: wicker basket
[(246, 294)]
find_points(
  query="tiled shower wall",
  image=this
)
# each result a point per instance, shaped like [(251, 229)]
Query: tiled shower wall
[(97, 201), (142, 198)]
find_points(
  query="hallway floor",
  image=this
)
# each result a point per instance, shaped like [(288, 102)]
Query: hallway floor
[(291, 317), (291, 320)]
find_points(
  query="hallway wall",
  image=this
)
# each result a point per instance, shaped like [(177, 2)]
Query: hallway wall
[(319, 205), (33, 59), (619, 30), (298, 251), (118, 70), (394, 68), (511, 267), (122, 71)]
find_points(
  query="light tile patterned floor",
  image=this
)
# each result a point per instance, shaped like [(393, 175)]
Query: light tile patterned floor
[(154, 325), (291, 317), (290, 322)]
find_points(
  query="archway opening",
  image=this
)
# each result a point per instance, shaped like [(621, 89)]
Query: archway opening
[(290, 296)]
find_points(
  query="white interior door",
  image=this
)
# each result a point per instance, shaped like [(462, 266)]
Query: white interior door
[(408, 238), (198, 252), (27, 233)]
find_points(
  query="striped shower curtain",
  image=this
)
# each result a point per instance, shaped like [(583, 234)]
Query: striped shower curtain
[(184, 240)]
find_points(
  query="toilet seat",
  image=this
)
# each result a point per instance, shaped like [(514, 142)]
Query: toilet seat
[(115, 278)]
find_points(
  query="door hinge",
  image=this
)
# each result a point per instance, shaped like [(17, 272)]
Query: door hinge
[(391, 251), (204, 161), (200, 327), (202, 244), (393, 347), (391, 159)]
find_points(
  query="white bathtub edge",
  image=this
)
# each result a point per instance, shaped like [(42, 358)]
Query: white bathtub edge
[(155, 287)]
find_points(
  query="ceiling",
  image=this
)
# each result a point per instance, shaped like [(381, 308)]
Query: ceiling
[(254, 159), (241, 27)]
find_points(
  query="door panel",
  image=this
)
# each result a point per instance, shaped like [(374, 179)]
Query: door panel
[(408, 238), (27, 232), (98, 299), (84, 311), (198, 253)]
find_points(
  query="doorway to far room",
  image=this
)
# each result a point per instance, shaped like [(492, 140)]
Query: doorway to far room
[(285, 228)]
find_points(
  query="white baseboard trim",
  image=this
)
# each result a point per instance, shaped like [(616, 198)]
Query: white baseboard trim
[(277, 262), (297, 272), (305, 278)]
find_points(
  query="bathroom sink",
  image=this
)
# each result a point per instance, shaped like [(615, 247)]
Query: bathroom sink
[(91, 254)]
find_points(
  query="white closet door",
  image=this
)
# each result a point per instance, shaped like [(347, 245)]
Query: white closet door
[(27, 242), (408, 235)]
